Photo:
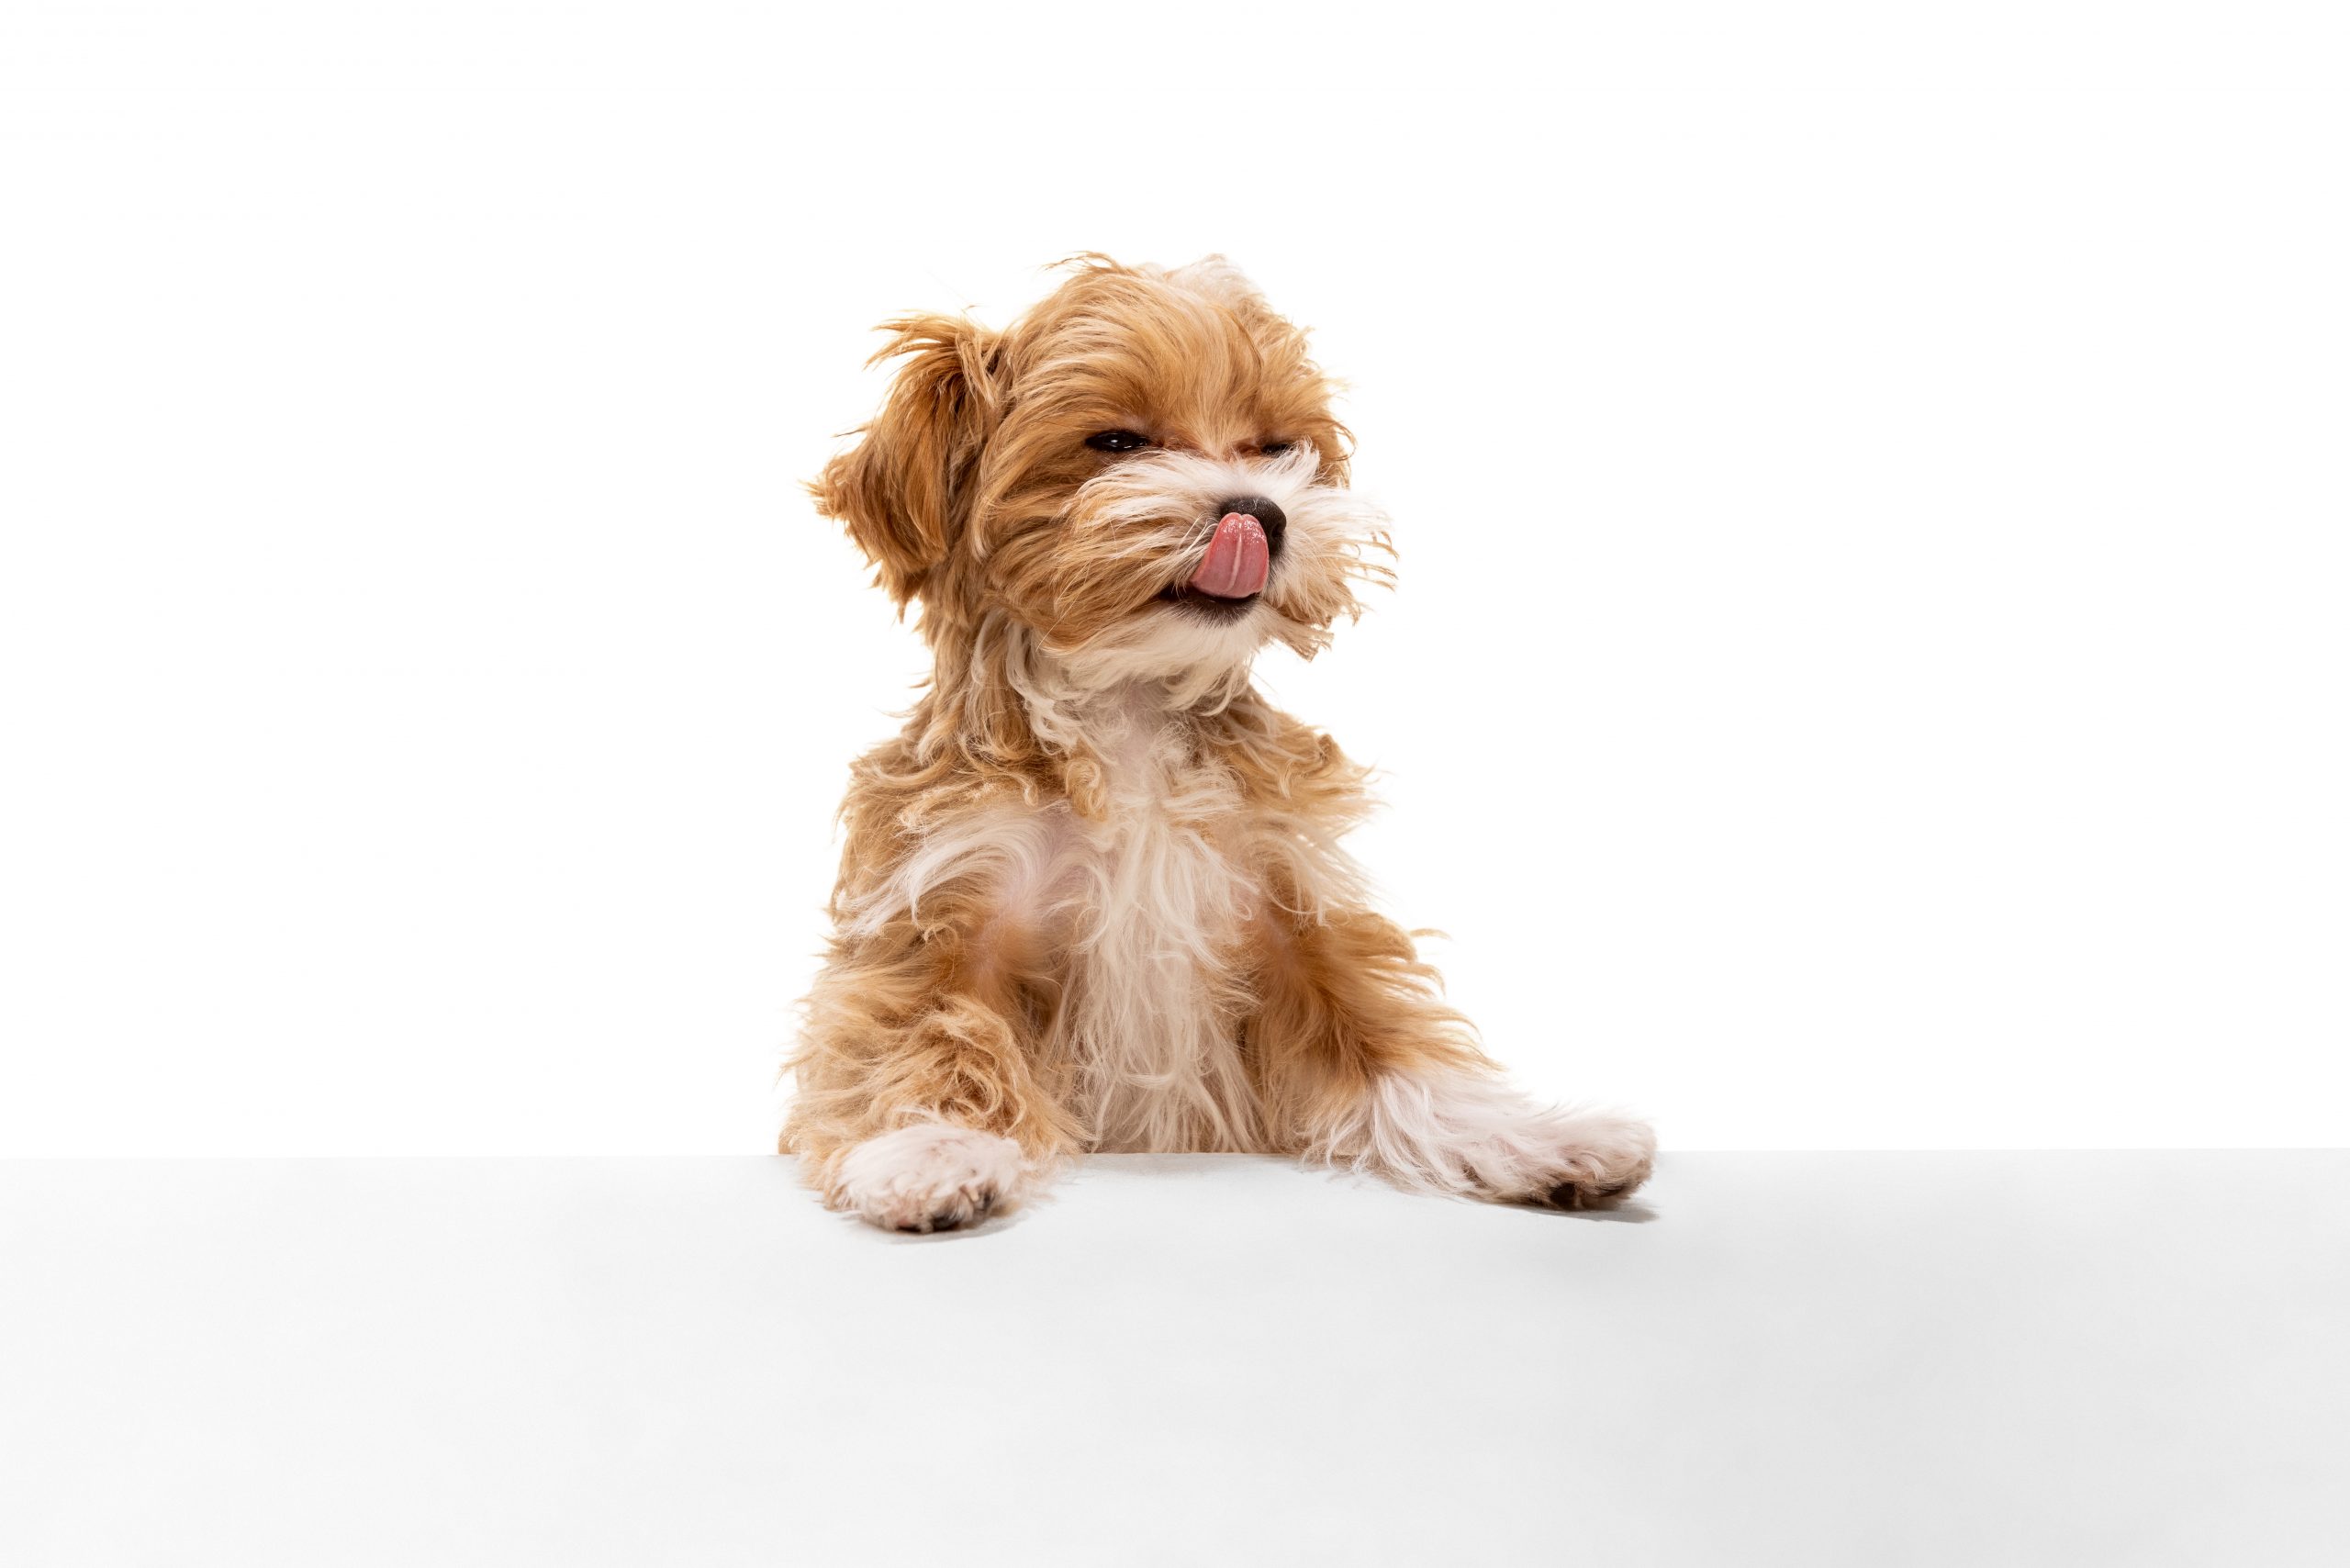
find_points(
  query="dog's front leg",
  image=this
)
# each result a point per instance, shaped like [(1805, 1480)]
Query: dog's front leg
[(918, 1105), (1360, 1063)]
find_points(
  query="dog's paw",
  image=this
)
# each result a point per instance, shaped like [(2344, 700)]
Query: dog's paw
[(1472, 1135), (930, 1176), (1595, 1161)]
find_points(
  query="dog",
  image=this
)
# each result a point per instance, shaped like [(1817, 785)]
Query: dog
[(1092, 898)]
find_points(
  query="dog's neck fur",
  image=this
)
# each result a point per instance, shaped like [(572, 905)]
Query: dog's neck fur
[(1002, 704)]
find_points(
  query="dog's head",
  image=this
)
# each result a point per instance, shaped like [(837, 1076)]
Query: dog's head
[(1143, 472)]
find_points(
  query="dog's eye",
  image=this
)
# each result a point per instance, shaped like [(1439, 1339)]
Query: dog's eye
[(1117, 441), (1275, 448)]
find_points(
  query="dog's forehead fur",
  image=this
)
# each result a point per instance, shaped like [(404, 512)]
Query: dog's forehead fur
[(1195, 358)]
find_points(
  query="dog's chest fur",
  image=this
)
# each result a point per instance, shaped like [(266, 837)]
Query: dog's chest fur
[(1149, 905), (1131, 926)]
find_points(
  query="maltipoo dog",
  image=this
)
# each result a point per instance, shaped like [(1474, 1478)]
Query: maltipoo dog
[(1093, 897)]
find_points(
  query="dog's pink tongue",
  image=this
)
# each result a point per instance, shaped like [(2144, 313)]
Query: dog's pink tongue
[(1238, 562)]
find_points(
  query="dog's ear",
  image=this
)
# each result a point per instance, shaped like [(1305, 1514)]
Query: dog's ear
[(903, 490)]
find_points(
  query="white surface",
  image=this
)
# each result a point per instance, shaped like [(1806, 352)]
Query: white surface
[(1869, 480), (2065, 1360)]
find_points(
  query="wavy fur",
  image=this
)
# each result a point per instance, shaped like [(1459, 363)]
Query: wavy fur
[(1093, 896)]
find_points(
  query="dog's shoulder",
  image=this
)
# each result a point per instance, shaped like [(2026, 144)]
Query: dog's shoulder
[(1282, 765)]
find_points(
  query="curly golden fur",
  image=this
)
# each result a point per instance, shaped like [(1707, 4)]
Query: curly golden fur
[(1093, 897)]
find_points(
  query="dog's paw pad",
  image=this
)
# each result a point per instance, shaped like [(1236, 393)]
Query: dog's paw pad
[(1591, 1194), (948, 1218)]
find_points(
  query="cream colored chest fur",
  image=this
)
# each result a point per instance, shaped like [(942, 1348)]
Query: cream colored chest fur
[(1142, 916), (1156, 901)]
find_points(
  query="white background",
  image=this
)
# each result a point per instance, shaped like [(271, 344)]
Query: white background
[(1869, 663)]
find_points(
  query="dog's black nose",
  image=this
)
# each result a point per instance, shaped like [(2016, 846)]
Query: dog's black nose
[(1270, 517)]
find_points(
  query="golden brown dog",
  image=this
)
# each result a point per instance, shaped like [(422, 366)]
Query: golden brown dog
[(1093, 897)]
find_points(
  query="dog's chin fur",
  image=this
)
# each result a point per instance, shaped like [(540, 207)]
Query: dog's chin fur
[(1093, 897)]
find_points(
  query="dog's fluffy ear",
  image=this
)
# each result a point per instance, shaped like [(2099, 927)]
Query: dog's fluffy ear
[(901, 489)]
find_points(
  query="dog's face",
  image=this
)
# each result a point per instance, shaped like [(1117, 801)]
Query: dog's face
[(1143, 471)]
